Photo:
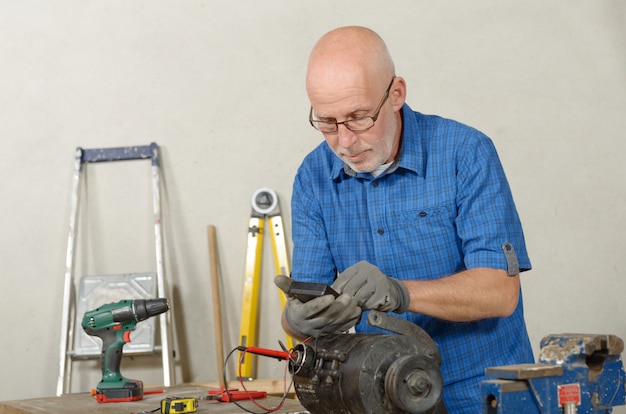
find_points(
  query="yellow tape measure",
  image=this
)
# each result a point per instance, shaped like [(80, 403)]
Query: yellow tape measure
[(176, 405)]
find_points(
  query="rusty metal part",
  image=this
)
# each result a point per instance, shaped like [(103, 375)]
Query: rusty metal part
[(556, 349), (413, 383), (370, 373), (403, 327)]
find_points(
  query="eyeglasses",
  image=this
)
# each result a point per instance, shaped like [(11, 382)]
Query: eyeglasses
[(356, 124)]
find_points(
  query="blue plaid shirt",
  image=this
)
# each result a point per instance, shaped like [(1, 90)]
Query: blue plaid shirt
[(446, 206)]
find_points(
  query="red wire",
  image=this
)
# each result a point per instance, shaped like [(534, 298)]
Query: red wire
[(271, 410)]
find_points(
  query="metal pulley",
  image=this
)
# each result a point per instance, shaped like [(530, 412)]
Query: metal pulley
[(413, 383)]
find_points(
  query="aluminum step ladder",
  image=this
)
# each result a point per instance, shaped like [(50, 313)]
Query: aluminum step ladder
[(68, 346)]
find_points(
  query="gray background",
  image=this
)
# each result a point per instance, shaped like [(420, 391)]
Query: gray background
[(219, 85)]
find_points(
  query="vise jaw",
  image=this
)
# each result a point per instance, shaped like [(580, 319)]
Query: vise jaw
[(576, 374)]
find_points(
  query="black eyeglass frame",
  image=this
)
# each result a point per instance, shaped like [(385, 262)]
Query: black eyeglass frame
[(315, 123)]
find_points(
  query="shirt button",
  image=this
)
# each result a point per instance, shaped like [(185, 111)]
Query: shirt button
[(381, 230), (375, 184), (422, 214)]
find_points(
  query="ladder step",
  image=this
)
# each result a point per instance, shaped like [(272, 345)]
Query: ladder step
[(120, 154), (80, 357)]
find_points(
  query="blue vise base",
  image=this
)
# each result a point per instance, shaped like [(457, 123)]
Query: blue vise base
[(576, 373)]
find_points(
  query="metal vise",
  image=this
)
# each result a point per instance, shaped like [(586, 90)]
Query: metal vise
[(370, 373), (576, 374)]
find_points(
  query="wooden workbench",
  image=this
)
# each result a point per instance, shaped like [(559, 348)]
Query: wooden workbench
[(85, 403)]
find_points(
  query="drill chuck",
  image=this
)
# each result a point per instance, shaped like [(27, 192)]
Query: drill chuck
[(145, 308), (136, 310)]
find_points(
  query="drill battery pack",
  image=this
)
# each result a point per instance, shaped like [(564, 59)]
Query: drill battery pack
[(132, 391), (176, 405)]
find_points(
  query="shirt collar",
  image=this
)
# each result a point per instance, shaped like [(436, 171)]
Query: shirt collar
[(410, 154)]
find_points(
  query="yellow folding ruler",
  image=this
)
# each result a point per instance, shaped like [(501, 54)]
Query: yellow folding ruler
[(264, 206)]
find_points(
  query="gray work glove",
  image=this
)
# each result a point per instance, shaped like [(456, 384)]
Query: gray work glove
[(322, 315), (372, 289)]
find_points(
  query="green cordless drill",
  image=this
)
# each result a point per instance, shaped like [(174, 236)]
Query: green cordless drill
[(112, 323)]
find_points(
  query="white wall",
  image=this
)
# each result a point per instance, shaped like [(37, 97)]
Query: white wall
[(220, 86)]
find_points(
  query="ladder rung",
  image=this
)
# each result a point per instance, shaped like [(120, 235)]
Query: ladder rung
[(139, 152), (137, 352)]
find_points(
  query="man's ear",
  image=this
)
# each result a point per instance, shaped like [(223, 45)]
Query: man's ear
[(397, 94)]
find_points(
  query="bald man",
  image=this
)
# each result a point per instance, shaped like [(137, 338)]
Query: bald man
[(407, 213)]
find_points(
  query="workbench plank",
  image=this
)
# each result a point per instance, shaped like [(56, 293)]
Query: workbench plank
[(271, 386), (85, 402)]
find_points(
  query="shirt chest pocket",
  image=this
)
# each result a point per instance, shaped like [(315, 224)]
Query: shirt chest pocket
[(440, 217), (428, 236)]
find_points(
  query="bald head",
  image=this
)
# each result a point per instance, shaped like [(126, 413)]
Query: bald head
[(347, 55), (351, 78)]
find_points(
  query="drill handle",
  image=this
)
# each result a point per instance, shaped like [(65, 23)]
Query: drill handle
[(112, 349)]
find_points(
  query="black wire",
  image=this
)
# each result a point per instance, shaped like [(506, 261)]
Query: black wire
[(282, 401), (147, 412), (226, 387)]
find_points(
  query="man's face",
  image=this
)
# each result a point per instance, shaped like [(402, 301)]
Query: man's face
[(363, 151)]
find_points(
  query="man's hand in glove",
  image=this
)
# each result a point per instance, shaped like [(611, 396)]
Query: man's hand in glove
[(372, 289), (322, 315)]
